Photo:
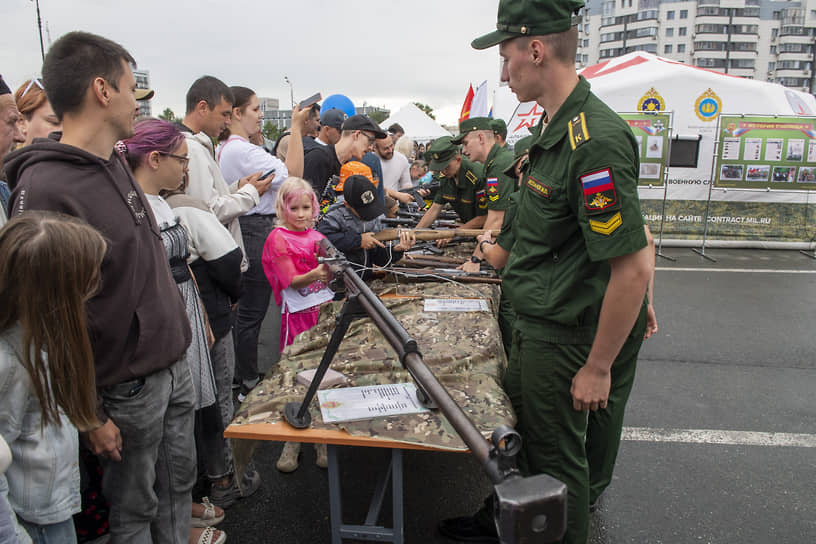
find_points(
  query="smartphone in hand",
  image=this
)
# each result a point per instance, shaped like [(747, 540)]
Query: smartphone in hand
[(267, 174), (314, 99)]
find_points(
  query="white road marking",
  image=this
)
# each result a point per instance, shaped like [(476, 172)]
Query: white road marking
[(713, 436), (746, 270)]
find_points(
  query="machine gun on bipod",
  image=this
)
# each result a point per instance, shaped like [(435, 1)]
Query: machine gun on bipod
[(526, 509)]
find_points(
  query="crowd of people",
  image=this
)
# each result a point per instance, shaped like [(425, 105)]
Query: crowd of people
[(140, 260)]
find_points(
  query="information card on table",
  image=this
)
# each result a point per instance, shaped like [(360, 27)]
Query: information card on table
[(368, 402), (455, 305)]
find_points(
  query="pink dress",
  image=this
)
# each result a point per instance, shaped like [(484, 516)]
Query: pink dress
[(287, 254)]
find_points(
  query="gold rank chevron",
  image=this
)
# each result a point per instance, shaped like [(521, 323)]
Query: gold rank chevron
[(606, 227)]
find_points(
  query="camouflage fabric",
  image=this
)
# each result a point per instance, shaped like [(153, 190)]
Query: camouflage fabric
[(463, 350)]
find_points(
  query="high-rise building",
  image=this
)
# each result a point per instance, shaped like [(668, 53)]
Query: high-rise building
[(143, 82), (758, 39)]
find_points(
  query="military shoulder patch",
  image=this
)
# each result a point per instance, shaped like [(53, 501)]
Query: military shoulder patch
[(606, 227), (599, 191), (578, 132), (481, 197), (493, 189), (538, 187)]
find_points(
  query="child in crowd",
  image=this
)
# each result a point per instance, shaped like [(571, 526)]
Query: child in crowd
[(298, 281), (49, 271), (351, 225)]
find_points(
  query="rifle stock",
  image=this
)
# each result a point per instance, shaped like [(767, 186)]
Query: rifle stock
[(428, 234)]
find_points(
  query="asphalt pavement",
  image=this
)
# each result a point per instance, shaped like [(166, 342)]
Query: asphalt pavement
[(720, 432)]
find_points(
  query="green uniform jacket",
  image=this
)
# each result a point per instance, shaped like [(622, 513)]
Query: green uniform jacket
[(578, 207), (498, 184), (466, 193)]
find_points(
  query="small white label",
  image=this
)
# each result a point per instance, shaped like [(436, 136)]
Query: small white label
[(456, 305)]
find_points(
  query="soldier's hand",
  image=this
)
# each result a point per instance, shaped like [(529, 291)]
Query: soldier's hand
[(369, 242), (423, 192), (486, 236), (651, 322), (469, 267), (442, 242), (590, 389)]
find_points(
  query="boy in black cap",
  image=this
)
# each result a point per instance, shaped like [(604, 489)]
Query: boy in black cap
[(351, 225)]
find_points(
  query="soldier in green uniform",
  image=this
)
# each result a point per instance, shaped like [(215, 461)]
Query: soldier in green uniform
[(479, 145), (463, 185), (578, 268), (500, 130)]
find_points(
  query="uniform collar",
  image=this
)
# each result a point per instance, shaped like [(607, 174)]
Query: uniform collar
[(559, 124), (491, 156)]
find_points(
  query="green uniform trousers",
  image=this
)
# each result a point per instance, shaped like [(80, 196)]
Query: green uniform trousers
[(574, 447), (507, 318)]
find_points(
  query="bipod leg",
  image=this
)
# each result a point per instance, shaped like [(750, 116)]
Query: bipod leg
[(297, 414)]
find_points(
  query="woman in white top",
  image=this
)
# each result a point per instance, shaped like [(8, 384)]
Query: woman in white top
[(237, 157)]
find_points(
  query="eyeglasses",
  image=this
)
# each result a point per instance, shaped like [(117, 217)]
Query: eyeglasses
[(34, 81), (371, 139), (184, 160)]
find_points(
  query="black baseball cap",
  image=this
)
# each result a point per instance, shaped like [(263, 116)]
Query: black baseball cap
[(333, 118), (362, 122), (361, 195)]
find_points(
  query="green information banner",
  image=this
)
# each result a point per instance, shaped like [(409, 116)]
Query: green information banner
[(652, 132), (766, 152)]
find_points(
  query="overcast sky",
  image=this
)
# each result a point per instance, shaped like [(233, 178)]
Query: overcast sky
[(384, 53)]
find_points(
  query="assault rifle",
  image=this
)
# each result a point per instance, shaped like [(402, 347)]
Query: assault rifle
[(531, 509)]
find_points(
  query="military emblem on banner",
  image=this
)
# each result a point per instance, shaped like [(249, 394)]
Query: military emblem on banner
[(651, 102), (599, 191), (708, 106), (493, 189), (481, 198)]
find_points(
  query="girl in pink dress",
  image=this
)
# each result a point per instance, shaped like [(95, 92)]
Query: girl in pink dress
[(290, 260), (298, 281)]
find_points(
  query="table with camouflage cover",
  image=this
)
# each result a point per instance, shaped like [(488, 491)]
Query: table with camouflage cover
[(463, 349)]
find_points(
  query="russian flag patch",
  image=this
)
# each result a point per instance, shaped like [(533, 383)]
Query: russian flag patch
[(599, 191)]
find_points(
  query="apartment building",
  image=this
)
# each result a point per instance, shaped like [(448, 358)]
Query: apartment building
[(758, 39)]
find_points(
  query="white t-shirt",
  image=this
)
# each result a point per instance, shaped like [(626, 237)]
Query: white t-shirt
[(162, 211), (238, 157), (396, 172)]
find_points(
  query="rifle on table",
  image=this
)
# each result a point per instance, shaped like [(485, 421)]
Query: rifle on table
[(429, 234), (526, 509), (458, 275)]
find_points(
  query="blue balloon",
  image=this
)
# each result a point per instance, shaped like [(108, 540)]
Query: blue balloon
[(339, 101)]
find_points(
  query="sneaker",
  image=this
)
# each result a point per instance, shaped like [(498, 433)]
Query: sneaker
[(288, 461), (225, 497), (468, 529), (322, 456)]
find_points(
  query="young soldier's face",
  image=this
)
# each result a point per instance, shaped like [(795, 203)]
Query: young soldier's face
[(517, 68)]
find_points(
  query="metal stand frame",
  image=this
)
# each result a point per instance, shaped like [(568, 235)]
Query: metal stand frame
[(369, 530), (665, 194), (715, 162)]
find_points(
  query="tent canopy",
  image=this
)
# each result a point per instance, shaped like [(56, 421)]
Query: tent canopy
[(417, 124)]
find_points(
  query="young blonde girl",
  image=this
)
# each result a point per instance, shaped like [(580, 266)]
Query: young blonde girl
[(298, 281), (49, 270), (290, 260)]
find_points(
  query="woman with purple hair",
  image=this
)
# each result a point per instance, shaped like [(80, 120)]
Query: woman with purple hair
[(157, 154)]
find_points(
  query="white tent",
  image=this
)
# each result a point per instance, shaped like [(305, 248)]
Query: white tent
[(417, 124), (696, 97)]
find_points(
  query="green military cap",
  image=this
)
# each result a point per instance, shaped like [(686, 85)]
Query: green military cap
[(469, 125), (499, 127), (440, 153), (521, 148), (529, 18)]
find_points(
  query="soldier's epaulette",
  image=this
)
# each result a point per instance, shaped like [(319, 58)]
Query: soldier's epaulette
[(578, 132), (471, 177)]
